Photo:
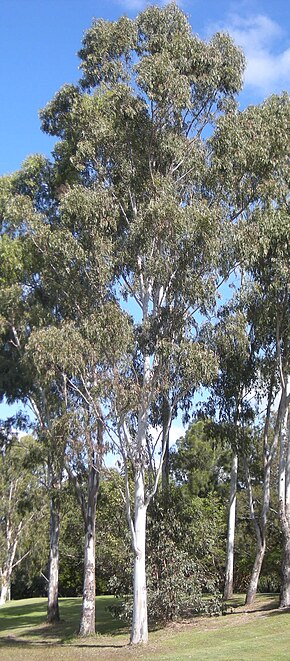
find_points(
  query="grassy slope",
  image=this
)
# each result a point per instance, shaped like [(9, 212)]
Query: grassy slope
[(263, 634)]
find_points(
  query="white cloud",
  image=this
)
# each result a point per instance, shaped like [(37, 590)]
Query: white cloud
[(132, 5), (268, 64), (138, 5)]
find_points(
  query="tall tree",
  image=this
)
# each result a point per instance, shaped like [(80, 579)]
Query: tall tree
[(144, 203), (26, 304), (228, 402), (134, 141), (20, 502)]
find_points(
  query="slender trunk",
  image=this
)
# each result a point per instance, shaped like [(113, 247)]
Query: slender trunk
[(12, 539), (253, 585), (52, 605), (139, 633), (165, 447), (260, 539), (261, 526), (88, 614), (284, 503), (229, 573)]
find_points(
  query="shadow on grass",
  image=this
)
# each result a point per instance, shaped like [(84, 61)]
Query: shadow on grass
[(15, 616), (280, 611), (263, 602), (28, 626), (20, 642)]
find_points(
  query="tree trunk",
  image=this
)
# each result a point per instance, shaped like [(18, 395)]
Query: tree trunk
[(12, 539), (229, 573), (253, 585), (284, 503), (52, 605), (269, 450), (165, 447), (5, 588), (88, 614), (139, 633), (285, 585)]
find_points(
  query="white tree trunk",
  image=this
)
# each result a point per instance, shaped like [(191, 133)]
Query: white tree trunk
[(52, 604), (253, 585), (260, 527), (88, 614), (165, 447), (12, 539), (284, 500), (139, 633), (5, 588), (229, 573)]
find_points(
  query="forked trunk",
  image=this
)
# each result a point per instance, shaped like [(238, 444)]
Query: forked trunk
[(88, 614), (52, 605), (229, 573), (260, 525), (139, 633)]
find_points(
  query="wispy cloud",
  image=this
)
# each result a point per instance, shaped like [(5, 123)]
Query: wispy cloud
[(133, 6), (268, 64)]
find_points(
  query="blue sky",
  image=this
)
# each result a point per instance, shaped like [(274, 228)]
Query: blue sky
[(39, 40)]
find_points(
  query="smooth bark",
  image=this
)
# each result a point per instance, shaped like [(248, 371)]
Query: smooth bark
[(139, 633), (229, 573), (260, 542), (5, 588), (256, 571), (13, 534), (261, 524), (165, 446), (52, 604), (284, 498), (88, 613)]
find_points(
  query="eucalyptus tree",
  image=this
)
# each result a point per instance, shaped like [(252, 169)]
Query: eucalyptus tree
[(252, 166), (143, 205), (81, 355), (135, 131), (269, 305), (21, 502), (136, 162), (228, 403), (26, 304), (261, 438)]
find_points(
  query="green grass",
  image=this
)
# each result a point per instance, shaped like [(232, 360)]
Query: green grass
[(263, 634)]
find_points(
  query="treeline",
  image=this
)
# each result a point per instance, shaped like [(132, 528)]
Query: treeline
[(149, 258)]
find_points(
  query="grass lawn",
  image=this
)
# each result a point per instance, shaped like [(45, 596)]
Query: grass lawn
[(261, 633)]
